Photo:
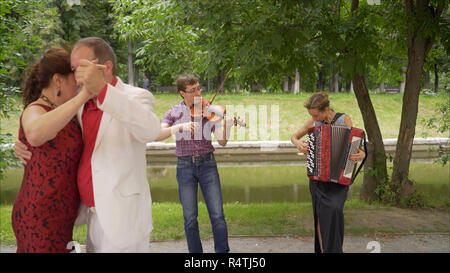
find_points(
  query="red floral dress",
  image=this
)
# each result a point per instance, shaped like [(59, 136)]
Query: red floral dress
[(46, 206)]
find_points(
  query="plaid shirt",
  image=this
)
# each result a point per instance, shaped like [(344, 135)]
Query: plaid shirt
[(187, 144)]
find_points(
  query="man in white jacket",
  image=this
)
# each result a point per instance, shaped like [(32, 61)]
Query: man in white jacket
[(117, 122)]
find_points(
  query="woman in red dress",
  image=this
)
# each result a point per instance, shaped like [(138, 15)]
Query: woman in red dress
[(46, 205)]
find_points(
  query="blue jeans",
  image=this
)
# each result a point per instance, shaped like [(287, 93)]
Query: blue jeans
[(191, 172)]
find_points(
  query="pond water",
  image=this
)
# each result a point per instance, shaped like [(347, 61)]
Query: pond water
[(260, 184), (288, 193)]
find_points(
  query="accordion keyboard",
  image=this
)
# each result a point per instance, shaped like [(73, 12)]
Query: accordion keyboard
[(310, 156)]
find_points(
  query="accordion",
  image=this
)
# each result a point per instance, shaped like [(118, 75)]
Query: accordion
[(329, 148)]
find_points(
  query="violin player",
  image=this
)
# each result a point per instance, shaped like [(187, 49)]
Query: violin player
[(196, 164)]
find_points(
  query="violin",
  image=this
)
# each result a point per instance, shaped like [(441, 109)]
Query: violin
[(213, 113), (203, 108)]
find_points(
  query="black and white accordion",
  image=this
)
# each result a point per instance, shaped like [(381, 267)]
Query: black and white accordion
[(329, 148)]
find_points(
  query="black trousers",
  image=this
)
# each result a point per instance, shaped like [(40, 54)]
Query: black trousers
[(328, 200)]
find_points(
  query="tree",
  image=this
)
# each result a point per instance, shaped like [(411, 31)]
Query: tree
[(355, 37), (423, 24), (16, 40), (164, 44), (266, 41), (438, 63)]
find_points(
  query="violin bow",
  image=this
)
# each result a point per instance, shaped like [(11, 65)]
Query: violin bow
[(221, 85)]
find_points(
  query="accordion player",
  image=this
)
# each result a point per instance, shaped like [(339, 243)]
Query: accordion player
[(329, 148)]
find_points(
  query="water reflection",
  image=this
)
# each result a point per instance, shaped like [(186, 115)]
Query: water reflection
[(294, 189), (245, 194), (287, 193)]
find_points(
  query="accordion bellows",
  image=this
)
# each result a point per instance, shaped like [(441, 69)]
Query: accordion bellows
[(329, 148)]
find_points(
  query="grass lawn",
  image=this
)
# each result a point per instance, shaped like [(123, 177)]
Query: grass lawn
[(242, 219), (273, 219), (292, 114)]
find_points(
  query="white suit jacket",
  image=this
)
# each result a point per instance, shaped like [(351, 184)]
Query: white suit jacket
[(121, 191)]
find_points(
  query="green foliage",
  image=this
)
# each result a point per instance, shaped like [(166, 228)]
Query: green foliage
[(440, 122), (414, 200), (90, 18), (8, 106), (266, 41), (262, 40), (383, 190), (15, 39), (164, 44), (389, 195), (385, 193)]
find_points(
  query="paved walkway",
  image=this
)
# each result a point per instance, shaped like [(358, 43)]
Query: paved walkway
[(399, 243)]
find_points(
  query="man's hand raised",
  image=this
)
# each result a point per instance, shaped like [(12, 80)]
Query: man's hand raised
[(90, 75)]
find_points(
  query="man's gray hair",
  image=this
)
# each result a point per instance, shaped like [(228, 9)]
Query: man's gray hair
[(102, 50)]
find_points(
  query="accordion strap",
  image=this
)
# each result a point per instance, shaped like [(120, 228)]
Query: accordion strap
[(362, 162), (338, 115)]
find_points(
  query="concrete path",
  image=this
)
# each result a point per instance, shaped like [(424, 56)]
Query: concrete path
[(398, 243)]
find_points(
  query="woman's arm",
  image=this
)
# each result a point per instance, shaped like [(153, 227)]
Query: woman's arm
[(301, 145), (40, 126)]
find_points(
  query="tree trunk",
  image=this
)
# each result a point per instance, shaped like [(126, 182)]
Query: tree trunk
[(297, 82), (255, 87), (406, 134), (149, 77), (136, 75), (370, 182), (320, 81), (436, 78), (376, 153), (419, 44), (400, 182), (403, 82), (348, 85), (286, 84), (382, 87), (220, 77), (426, 76), (334, 82)]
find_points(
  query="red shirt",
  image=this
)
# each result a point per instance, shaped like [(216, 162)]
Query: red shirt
[(91, 119)]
